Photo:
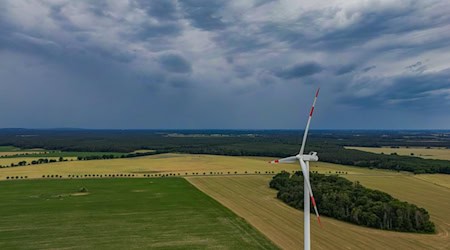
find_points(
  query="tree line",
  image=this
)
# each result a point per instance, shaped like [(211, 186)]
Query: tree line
[(329, 144), (344, 200)]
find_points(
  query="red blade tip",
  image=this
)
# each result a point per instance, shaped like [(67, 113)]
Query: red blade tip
[(313, 201)]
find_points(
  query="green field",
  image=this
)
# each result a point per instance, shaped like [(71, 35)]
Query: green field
[(118, 214), (8, 148)]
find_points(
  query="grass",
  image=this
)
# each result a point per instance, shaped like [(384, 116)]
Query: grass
[(8, 148), (427, 153), (118, 214)]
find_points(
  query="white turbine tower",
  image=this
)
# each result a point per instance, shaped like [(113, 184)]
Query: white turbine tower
[(304, 163)]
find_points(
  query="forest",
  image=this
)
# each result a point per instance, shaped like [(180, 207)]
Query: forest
[(344, 200), (273, 143)]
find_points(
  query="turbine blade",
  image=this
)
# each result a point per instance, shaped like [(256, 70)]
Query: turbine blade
[(290, 159), (309, 121), (303, 165)]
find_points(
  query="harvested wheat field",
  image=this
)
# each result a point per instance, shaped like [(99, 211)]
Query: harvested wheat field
[(28, 160), (251, 198), (436, 179), (427, 153), (165, 163)]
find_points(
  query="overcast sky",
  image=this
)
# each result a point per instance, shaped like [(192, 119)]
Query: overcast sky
[(224, 64)]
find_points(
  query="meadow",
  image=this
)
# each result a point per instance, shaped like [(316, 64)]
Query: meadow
[(422, 152), (118, 214)]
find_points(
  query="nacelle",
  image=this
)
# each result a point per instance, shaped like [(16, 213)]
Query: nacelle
[(312, 156)]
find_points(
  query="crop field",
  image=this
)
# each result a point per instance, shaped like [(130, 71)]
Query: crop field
[(436, 179), (251, 198), (118, 214), (13, 151), (43, 154), (248, 195), (22, 153), (15, 160), (427, 153), (165, 163)]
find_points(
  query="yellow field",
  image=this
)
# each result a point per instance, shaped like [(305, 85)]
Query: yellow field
[(15, 160), (165, 163), (251, 198), (19, 153), (437, 179), (427, 153)]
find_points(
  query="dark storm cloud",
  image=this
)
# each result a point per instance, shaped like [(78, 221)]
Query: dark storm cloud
[(367, 69), (259, 3), (180, 82), (175, 63), (417, 67), (300, 70), (150, 30), (160, 9), (204, 14), (220, 63), (411, 91), (373, 22), (345, 69), (165, 11)]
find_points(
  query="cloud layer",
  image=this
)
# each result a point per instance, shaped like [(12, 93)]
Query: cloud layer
[(224, 64)]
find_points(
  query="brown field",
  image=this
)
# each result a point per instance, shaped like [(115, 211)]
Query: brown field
[(427, 153), (251, 198)]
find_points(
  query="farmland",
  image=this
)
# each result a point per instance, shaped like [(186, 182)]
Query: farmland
[(118, 214), (10, 151), (250, 198), (16, 160), (422, 152), (248, 195), (163, 163)]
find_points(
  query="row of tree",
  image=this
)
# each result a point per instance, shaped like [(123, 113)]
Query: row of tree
[(33, 162), (344, 200), (110, 156)]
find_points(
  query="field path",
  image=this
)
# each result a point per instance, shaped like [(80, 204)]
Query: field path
[(251, 198)]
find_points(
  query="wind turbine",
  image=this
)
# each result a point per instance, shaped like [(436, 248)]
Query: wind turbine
[(304, 160)]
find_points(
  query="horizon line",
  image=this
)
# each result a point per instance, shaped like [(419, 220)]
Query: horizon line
[(236, 129)]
